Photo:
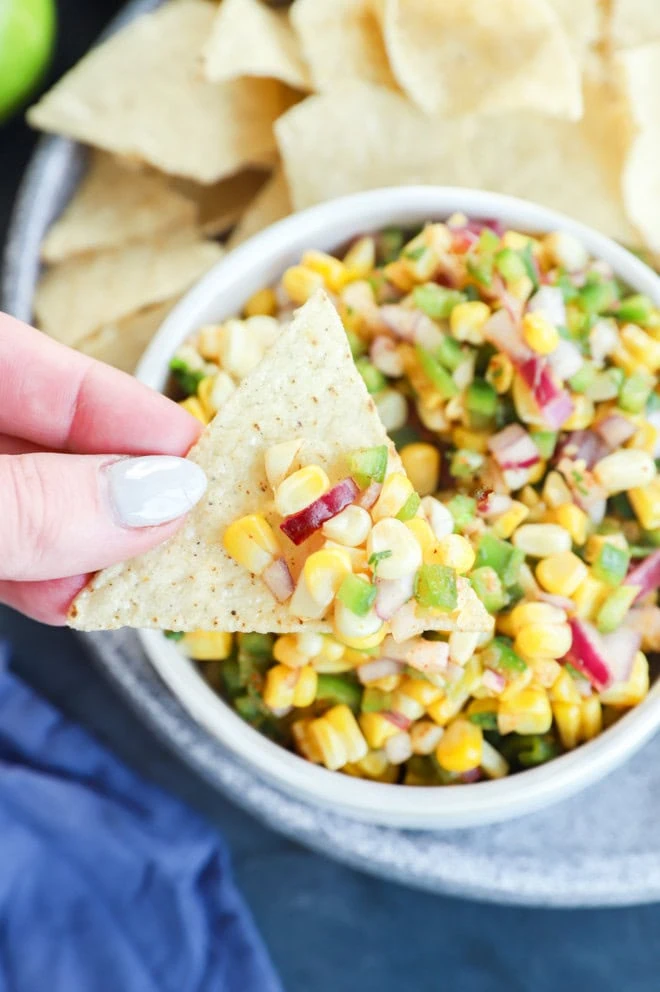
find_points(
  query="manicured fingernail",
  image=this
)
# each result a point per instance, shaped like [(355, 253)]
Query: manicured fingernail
[(154, 489)]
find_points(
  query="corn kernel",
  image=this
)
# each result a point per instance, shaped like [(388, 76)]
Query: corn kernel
[(467, 321), (550, 640), (541, 540), (280, 460), (263, 302), (539, 333), (239, 350), (583, 413), (530, 498), (591, 718), (504, 625), (304, 743), (461, 747), (596, 543), (562, 573), (640, 344), (455, 551), (332, 270), (358, 632), (350, 527), (521, 288), (300, 283), (545, 671), (526, 406), (574, 520), (645, 501), (505, 525), (555, 491), (279, 687), (564, 250), (564, 690), (202, 645), (421, 462), (589, 597), (625, 360), (305, 688), (626, 469), (425, 736), (500, 373), (360, 258), (567, 718), (421, 690), (462, 646), (399, 274), (525, 614), (251, 542), (342, 720), (534, 473), (324, 572), (492, 762), (376, 728), (516, 240), (471, 440), (193, 406), (438, 516), (287, 650), (634, 690), (396, 490), (393, 536), (426, 539), (300, 489), (645, 439), (526, 712)]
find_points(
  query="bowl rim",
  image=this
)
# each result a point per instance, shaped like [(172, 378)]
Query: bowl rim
[(327, 224)]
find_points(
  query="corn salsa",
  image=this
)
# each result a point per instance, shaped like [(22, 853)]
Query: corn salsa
[(518, 379)]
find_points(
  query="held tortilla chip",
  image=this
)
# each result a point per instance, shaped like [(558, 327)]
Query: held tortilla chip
[(123, 342), (271, 203), (77, 297), (307, 386), (142, 95), (222, 205), (480, 56), (641, 177), (633, 22), (250, 39), (341, 40), (113, 207)]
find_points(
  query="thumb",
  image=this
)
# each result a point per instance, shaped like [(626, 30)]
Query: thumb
[(64, 515)]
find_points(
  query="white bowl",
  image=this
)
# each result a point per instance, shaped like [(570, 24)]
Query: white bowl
[(222, 293)]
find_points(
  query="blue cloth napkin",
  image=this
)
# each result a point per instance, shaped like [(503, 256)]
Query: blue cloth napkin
[(106, 883)]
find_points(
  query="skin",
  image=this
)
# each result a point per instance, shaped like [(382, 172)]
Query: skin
[(63, 419)]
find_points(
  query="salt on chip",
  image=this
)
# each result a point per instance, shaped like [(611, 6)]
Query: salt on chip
[(79, 296), (113, 207), (633, 22), (573, 167), (480, 56), (123, 342), (641, 177), (271, 204), (250, 39), (142, 95), (341, 40), (222, 205)]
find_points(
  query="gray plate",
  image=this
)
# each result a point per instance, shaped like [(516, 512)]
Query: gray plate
[(601, 848)]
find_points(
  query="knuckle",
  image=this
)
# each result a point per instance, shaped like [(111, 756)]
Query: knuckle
[(26, 522)]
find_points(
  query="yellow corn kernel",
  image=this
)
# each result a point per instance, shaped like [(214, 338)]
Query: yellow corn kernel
[(360, 258), (324, 572), (517, 683), (376, 766), (350, 527), (193, 406), (396, 490), (376, 728), (565, 250), (300, 489), (492, 762), (204, 392), (625, 469), (405, 553), (529, 497), (399, 274), (330, 268), (634, 690), (305, 688), (544, 640), (536, 472), (505, 525), (425, 736), (263, 303), (583, 413), (555, 492), (625, 360), (287, 651), (467, 321), (445, 708), (389, 683), (539, 333), (525, 404), (589, 597), (597, 541), (342, 719), (567, 718), (421, 462), (564, 690), (485, 705), (521, 288), (279, 687), (251, 542), (300, 282), (456, 552), (591, 718), (358, 556), (328, 743), (203, 645), (544, 671), (462, 645), (645, 439), (422, 691), (303, 742), (526, 712), (428, 542), (500, 373), (645, 501), (640, 344), (516, 240), (562, 573), (541, 540), (472, 440), (460, 748), (525, 614), (574, 520), (504, 625), (359, 633)]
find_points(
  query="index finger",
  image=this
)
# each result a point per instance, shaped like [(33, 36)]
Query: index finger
[(63, 400)]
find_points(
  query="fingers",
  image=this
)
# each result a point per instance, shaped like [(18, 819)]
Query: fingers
[(64, 515), (60, 399), (15, 446), (47, 602)]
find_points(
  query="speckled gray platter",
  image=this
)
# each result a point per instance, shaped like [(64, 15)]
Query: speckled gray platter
[(601, 848)]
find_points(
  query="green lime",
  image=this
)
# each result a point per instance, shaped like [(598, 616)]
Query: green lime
[(27, 32)]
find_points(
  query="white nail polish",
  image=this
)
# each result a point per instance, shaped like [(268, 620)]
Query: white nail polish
[(152, 490)]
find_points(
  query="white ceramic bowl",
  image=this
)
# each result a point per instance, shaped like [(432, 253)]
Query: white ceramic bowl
[(220, 294)]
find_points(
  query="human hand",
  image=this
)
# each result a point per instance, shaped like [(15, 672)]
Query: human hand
[(70, 503)]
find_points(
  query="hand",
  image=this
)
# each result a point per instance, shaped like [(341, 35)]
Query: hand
[(69, 502)]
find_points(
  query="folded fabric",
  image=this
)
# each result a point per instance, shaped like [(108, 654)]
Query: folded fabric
[(106, 883)]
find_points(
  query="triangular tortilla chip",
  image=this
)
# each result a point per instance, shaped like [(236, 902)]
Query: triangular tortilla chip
[(633, 22), (123, 342), (641, 179), (76, 298), (222, 205), (271, 204), (249, 39), (116, 206), (307, 386), (141, 94)]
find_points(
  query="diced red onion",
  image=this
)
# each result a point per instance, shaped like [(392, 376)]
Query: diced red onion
[(502, 332), (392, 594), (477, 225), (299, 526), (620, 648), (384, 355), (398, 748), (586, 653), (513, 448), (615, 430), (583, 446), (474, 775), (561, 602), (555, 405), (429, 656), (493, 680), (494, 505), (646, 575), (398, 719), (549, 300), (566, 360), (372, 671), (279, 580), (402, 321), (463, 239), (368, 496)]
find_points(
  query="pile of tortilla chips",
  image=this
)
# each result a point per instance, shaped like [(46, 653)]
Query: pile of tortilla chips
[(208, 121)]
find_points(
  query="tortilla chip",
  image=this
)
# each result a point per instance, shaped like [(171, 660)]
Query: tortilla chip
[(583, 23), (634, 22), (123, 343), (222, 205), (250, 39), (113, 207), (271, 204), (142, 95), (478, 56), (341, 41), (641, 177), (79, 296), (573, 167)]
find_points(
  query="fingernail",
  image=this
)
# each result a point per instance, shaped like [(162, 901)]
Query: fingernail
[(154, 489)]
